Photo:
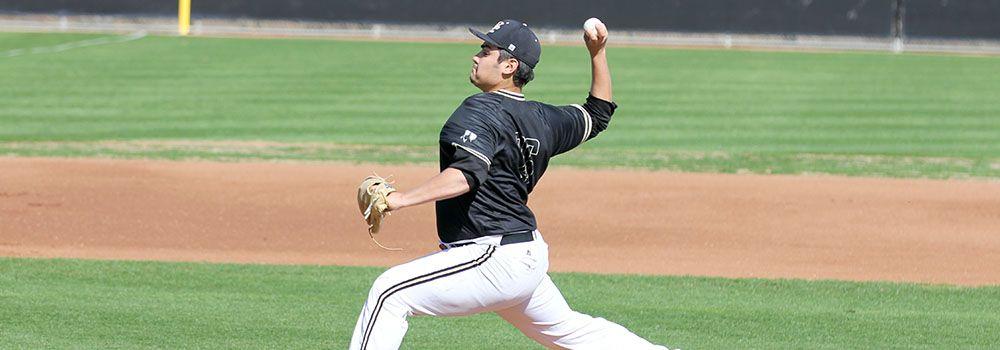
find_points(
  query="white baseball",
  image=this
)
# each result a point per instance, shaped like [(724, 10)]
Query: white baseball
[(591, 24)]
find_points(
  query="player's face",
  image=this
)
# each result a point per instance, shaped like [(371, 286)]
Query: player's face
[(486, 71)]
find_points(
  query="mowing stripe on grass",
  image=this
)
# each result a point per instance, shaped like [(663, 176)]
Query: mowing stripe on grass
[(763, 160), (74, 44), (753, 105), (142, 305)]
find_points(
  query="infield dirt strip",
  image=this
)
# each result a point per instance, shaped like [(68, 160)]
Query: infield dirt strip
[(606, 221)]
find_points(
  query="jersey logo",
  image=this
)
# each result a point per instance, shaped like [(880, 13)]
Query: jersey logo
[(529, 148), (468, 136), (532, 145)]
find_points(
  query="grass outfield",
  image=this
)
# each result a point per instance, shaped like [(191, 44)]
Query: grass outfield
[(692, 110), (103, 304)]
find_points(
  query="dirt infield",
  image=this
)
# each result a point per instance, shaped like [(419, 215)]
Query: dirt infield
[(595, 221)]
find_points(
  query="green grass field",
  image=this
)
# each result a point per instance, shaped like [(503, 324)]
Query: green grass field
[(133, 305), (869, 114), (859, 114)]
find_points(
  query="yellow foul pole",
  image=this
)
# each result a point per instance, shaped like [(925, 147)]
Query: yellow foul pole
[(183, 17)]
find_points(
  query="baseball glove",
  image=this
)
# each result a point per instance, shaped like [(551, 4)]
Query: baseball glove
[(373, 203)]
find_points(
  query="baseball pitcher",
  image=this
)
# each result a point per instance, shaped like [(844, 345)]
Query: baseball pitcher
[(493, 151)]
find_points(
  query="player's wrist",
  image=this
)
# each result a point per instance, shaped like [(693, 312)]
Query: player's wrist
[(395, 201)]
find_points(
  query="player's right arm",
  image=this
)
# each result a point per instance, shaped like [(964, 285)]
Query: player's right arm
[(599, 106), (600, 85), (575, 124)]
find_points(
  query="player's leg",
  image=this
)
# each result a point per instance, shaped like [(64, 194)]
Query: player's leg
[(548, 319), (402, 291), (459, 281)]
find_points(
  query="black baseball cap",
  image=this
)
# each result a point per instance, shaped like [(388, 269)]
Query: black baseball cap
[(515, 37)]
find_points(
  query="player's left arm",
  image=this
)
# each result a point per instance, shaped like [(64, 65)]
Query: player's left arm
[(467, 144), (449, 183)]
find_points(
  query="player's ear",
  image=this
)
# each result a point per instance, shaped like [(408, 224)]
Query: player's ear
[(511, 66)]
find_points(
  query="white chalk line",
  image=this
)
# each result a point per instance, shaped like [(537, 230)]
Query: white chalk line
[(74, 44)]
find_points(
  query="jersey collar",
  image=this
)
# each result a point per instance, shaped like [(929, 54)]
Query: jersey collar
[(510, 94)]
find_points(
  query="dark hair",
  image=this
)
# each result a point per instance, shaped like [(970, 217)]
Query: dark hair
[(524, 73)]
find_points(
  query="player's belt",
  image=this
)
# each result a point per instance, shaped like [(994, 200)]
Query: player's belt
[(520, 237)]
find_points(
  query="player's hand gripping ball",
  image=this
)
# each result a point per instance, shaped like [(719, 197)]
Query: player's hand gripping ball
[(372, 201), (591, 24), (595, 34)]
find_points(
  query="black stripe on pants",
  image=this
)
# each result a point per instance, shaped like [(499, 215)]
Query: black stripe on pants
[(448, 271)]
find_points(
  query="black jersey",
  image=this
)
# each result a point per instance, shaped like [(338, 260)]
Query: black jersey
[(503, 143)]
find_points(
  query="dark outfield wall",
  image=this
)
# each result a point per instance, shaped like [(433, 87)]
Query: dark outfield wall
[(952, 19), (852, 17), (925, 18), (100, 7), (735, 16)]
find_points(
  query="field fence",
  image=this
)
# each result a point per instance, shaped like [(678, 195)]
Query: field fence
[(452, 32)]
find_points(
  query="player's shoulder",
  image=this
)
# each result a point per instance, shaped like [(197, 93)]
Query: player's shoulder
[(513, 102), (549, 110), (482, 100), (481, 104), (493, 104), (477, 109)]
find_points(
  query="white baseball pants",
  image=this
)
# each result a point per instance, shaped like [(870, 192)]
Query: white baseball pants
[(510, 280)]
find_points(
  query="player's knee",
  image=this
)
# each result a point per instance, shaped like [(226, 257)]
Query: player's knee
[(380, 285), (386, 283), (386, 295)]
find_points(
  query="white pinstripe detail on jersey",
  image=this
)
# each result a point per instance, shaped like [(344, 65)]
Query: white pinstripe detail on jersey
[(475, 153), (509, 94), (587, 122)]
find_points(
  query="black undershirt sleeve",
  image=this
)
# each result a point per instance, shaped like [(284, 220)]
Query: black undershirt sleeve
[(573, 125), (600, 113)]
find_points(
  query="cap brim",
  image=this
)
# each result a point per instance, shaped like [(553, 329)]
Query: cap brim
[(484, 37)]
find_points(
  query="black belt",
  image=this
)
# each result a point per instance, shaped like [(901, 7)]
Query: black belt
[(526, 236)]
